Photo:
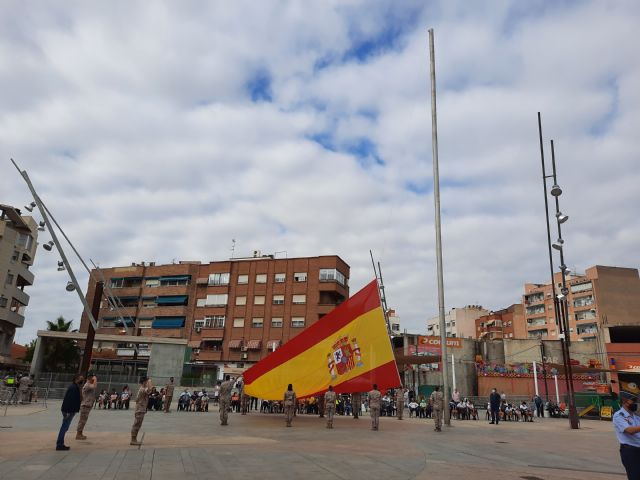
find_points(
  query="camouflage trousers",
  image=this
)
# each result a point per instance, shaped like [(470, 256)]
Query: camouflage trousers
[(375, 417), (330, 411), (167, 403), (84, 416), (400, 410), (224, 410), (244, 404), (288, 412), (137, 423), (437, 417)]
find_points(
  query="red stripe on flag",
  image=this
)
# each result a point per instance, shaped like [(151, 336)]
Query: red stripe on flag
[(362, 302)]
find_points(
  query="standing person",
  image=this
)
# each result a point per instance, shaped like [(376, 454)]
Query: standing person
[(456, 396), (375, 398), (330, 405), (494, 404), (225, 399), (70, 406), (537, 400), (400, 402), (320, 404), (86, 405), (142, 402), (125, 397), (168, 394), (25, 385), (626, 422), (356, 402), (289, 402), (437, 404)]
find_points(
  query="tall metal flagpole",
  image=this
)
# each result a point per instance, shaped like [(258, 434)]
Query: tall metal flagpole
[(436, 199)]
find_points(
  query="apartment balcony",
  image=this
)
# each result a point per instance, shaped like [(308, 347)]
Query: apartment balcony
[(13, 318), (208, 355)]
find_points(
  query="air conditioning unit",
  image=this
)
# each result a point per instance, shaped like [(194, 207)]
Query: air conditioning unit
[(243, 349), (198, 329), (257, 254), (245, 356)]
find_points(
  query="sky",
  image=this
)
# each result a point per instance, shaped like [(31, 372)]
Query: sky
[(157, 131)]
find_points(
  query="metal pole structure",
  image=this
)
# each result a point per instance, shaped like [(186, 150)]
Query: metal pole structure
[(453, 372), (54, 237), (566, 341), (535, 376), (556, 302), (544, 370), (555, 379), (85, 365), (436, 200)]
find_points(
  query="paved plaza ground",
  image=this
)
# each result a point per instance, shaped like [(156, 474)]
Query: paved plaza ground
[(186, 444)]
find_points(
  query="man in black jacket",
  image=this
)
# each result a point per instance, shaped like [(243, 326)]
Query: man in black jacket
[(70, 406), (494, 404)]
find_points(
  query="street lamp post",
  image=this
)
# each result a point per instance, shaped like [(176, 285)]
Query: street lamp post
[(559, 301)]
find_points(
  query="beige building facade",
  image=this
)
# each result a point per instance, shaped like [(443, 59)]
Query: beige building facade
[(460, 322), (18, 243)]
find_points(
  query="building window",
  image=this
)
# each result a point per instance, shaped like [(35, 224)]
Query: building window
[(257, 322), (581, 287), (238, 322), (199, 323), (219, 300), (278, 299), (9, 280), (241, 300), (152, 282), (280, 277), (3, 302), (300, 277), (16, 256), (332, 275), (24, 240), (261, 278), (214, 321), (297, 322), (179, 281), (299, 299), (219, 279), (583, 301), (130, 282), (258, 300), (243, 279), (276, 322), (585, 315), (149, 302), (201, 302), (146, 323)]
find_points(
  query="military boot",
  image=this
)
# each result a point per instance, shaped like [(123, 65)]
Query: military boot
[(80, 436), (134, 440)]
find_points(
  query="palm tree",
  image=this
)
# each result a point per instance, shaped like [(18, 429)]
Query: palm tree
[(61, 353)]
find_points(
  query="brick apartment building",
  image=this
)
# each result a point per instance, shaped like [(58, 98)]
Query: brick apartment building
[(506, 323), (602, 296), (231, 312)]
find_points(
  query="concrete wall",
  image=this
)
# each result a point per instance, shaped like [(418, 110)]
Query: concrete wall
[(166, 361), (527, 351)]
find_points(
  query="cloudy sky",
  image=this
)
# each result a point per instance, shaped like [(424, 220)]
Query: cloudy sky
[(160, 131)]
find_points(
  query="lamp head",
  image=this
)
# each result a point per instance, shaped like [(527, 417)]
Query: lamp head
[(31, 206), (558, 244), (48, 246), (561, 217), (61, 266), (70, 287), (556, 191)]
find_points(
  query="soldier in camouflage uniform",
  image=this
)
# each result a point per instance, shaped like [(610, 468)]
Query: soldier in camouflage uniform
[(88, 399), (400, 402), (289, 403), (225, 399), (330, 405), (437, 404), (142, 401), (168, 395), (375, 398), (356, 403)]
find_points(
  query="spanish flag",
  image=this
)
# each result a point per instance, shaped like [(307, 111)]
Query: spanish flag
[(348, 348)]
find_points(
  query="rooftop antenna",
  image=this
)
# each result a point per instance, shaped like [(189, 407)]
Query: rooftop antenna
[(233, 247)]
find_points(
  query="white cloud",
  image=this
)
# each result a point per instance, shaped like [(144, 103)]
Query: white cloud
[(138, 128)]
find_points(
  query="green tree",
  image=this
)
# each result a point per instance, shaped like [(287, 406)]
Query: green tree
[(31, 348), (61, 353)]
